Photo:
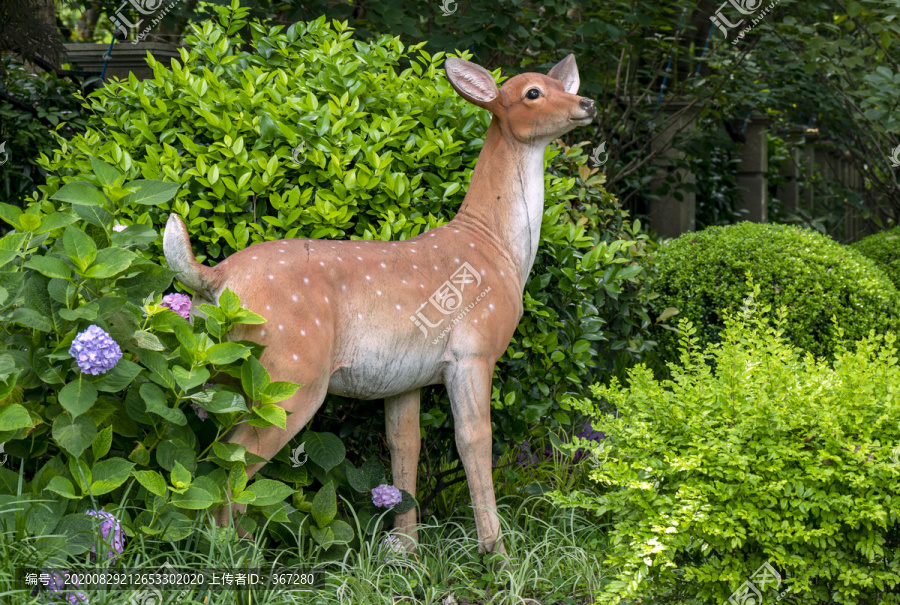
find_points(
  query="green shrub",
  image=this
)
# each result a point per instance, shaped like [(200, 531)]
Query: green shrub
[(385, 150), (814, 277), (754, 452), (883, 248)]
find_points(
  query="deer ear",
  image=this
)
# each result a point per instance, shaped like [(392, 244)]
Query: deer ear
[(566, 72), (473, 82)]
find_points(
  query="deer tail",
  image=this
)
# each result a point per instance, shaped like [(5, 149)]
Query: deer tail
[(177, 250)]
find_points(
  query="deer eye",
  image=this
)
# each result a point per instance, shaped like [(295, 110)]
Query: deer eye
[(533, 94)]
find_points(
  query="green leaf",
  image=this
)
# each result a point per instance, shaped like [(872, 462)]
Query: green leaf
[(269, 491), (102, 443), (325, 449), (49, 266), (14, 417), (237, 479), (324, 505), (152, 481), (367, 477), (148, 340), (80, 248), (274, 414), (324, 537), (254, 378), (55, 220), (122, 374), (171, 451), (155, 399), (279, 391), (63, 487), (343, 533), (195, 498), (220, 402), (407, 503), (77, 397), (181, 477), (110, 262), (267, 129), (230, 452), (105, 173), (151, 192), (226, 352), (80, 194), (94, 215), (74, 434), (187, 380), (110, 474)]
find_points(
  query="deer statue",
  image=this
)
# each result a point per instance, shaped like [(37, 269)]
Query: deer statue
[(380, 320)]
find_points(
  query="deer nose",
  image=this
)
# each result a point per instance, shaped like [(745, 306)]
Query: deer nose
[(588, 105)]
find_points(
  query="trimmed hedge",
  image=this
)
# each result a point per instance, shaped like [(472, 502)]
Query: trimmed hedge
[(813, 276), (884, 249)]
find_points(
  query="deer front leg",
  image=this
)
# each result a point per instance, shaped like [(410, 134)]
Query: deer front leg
[(404, 440), (469, 386)]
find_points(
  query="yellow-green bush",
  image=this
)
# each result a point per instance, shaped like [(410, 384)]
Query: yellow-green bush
[(883, 248)]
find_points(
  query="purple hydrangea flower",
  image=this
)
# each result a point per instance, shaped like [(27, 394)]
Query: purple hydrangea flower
[(180, 303), (386, 496), (109, 525), (57, 585), (95, 351), (201, 413), (118, 227)]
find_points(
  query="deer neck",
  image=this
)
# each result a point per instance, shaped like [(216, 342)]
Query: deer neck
[(505, 198)]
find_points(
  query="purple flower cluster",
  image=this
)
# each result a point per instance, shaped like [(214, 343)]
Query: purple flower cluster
[(118, 228), (386, 496), (56, 583), (180, 303), (526, 459), (95, 351), (112, 533)]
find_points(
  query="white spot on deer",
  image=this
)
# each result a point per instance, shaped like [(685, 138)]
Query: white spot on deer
[(358, 258), (383, 266), (317, 321), (482, 271), (267, 307), (281, 249), (302, 332), (253, 257), (415, 266), (326, 299), (295, 356), (491, 306), (248, 276), (435, 267), (294, 297), (262, 332), (369, 278), (471, 245), (434, 246), (456, 231), (306, 280), (398, 307), (343, 287), (421, 286), (340, 259), (455, 260), (281, 262), (322, 263), (271, 277), (359, 315), (402, 281), (358, 248), (280, 327), (378, 292), (501, 272), (413, 249)]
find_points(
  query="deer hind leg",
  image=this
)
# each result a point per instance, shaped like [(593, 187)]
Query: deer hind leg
[(469, 386), (268, 441), (404, 440)]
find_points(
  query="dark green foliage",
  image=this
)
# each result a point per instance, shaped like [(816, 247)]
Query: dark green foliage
[(754, 452), (883, 248), (700, 274), (34, 111)]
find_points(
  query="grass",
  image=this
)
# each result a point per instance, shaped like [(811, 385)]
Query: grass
[(554, 558)]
